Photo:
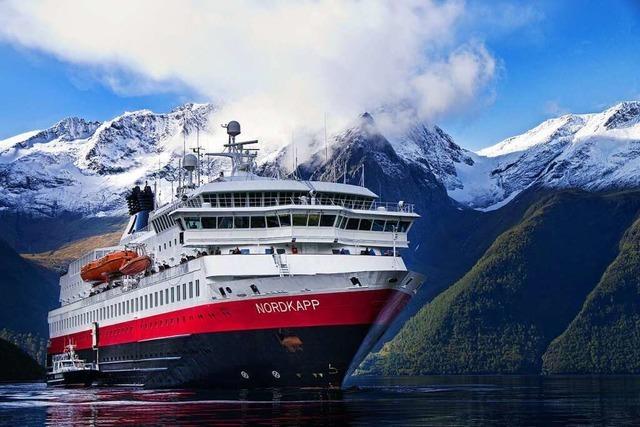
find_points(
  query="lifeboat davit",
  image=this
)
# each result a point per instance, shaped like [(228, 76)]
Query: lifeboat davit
[(101, 269), (136, 265)]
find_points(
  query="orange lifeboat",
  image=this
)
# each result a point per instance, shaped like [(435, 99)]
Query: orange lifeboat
[(136, 265), (100, 269)]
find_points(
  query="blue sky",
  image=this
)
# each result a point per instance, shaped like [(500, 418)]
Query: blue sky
[(569, 56)]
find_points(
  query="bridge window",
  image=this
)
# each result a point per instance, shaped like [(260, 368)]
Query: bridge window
[(391, 225), (403, 226), (209, 222), (365, 224), (272, 221), (299, 220), (241, 222), (193, 223), (225, 222), (352, 223), (314, 220), (378, 225), (285, 220), (240, 200), (327, 220), (257, 222)]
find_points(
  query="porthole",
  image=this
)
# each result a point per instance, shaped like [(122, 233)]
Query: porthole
[(228, 289), (393, 280), (244, 375), (275, 374)]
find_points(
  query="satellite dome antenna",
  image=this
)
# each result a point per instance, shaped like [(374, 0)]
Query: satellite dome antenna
[(242, 159)]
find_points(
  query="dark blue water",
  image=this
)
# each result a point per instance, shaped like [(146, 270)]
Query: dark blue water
[(462, 401)]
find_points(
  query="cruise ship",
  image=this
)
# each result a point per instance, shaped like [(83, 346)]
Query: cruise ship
[(242, 282)]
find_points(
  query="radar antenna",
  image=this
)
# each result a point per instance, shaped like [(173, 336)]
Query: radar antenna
[(243, 160)]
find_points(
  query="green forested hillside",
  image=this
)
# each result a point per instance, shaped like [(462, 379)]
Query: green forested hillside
[(16, 365), (523, 292), (605, 336)]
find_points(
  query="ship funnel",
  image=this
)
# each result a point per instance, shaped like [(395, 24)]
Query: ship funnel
[(140, 203)]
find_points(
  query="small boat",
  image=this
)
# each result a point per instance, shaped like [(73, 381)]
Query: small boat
[(101, 269), (68, 370), (136, 265)]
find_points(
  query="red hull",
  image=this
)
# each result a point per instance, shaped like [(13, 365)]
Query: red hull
[(335, 309)]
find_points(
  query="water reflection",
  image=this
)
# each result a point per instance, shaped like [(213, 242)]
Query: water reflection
[(390, 401)]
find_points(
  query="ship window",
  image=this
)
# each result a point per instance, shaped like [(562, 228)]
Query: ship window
[(222, 292), (284, 198), (136, 303), (146, 302), (257, 222), (184, 291), (197, 288), (172, 294), (352, 223), (255, 199), (241, 222), (255, 289), (190, 289), (228, 289), (272, 221), (365, 224), (209, 222), (225, 222), (159, 248), (299, 220), (378, 225), (285, 220), (403, 226), (155, 299), (327, 220), (391, 225), (166, 296), (240, 200), (169, 243), (178, 293), (270, 199), (165, 245), (314, 220), (192, 223)]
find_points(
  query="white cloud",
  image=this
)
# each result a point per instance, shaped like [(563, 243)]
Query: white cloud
[(274, 64)]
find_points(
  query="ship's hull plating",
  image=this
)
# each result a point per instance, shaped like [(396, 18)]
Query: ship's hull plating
[(304, 340), (298, 357)]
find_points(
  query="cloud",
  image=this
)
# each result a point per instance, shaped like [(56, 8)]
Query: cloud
[(274, 64)]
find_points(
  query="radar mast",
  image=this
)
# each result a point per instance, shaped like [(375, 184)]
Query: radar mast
[(243, 160)]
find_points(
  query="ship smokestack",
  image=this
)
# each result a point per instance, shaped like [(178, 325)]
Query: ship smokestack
[(140, 204)]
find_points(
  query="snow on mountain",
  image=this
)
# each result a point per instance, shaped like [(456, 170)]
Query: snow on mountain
[(593, 152), (85, 166)]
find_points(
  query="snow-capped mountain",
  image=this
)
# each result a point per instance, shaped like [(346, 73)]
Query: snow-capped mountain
[(86, 166), (588, 151)]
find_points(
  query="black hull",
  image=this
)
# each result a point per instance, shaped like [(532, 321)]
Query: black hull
[(297, 357)]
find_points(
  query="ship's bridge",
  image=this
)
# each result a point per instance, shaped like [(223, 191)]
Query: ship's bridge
[(267, 211)]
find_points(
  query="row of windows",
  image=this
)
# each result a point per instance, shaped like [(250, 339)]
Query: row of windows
[(274, 198), (162, 223), (297, 220), (144, 302), (261, 221)]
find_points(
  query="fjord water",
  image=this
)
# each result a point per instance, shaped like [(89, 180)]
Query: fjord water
[(442, 400)]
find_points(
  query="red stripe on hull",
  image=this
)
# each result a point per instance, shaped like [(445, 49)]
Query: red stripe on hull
[(345, 308)]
